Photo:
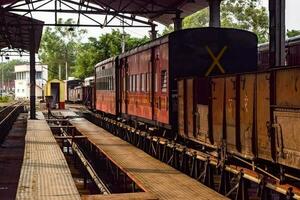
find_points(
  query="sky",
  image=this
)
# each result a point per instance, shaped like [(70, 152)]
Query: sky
[(292, 14)]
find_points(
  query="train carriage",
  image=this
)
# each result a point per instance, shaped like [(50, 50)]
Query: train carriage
[(140, 84), (156, 65), (88, 92), (106, 91), (252, 115), (292, 50)]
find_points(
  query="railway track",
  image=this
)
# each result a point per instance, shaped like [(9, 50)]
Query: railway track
[(201, 164), (8, 115)]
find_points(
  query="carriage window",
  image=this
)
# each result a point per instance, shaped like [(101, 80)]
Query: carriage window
[(143, 83), (138, 83), (164, 80)]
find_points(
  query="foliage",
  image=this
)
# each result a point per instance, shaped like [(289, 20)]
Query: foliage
[(198, 19), (96, 50), (241, 14), (8, 69), (58, 46), (4, 99), (247, 15), (292, 33)]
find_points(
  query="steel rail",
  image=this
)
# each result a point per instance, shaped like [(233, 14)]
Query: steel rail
[(11, 112), (102, 187)]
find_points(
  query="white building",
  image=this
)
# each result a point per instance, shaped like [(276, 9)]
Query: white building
[(22, 82)]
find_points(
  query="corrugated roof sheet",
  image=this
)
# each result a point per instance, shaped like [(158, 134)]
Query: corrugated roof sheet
[(15, 31), (156, 10)]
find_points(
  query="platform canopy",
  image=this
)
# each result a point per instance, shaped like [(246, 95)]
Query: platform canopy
[(162, 11), (16, 31), (157, 10)]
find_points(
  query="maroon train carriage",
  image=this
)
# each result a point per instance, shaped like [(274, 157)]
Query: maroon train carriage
[(88, 92), (292, 46), (106, 92), (76, 94), (140, 84), (252, 115)]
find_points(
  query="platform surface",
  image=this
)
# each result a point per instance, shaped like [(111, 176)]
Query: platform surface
[(124, 196), (154, 176), (45, 173)]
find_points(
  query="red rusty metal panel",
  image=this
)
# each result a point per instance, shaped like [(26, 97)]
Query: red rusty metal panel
[(202, 93), (202, 123), (218, 109), (288, 88), (139, 98), (287, 126), (161, 74), (231, 87), (247, 87), (181, 107), (263, 116), (106, 101), (190, 103)]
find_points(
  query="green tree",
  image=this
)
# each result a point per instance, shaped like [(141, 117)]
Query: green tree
[(8, 69), (94, 51), (292, 33), (241, 14), (60, 46)]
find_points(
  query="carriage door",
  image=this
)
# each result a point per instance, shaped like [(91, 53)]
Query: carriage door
[(161, 84), (123, 89)]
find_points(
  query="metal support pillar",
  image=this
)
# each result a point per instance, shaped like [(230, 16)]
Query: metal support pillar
[(177, 22), (214, 13), (32, 74), (277, 32), (153, 33)]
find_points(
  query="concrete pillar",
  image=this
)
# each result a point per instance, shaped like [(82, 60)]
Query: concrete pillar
[(177, 22), (153, 33), (277, 32), (214, 13), (32, 74)]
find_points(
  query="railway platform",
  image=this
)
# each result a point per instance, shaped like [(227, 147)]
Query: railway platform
[(45, 173), (150, 174)]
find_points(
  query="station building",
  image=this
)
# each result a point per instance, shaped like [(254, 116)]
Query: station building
[(22, 82)]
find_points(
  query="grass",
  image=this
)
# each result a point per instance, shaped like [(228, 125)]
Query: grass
[(5, 99)]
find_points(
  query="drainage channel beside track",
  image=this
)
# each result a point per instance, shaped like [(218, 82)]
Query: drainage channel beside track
[(93, 172)]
